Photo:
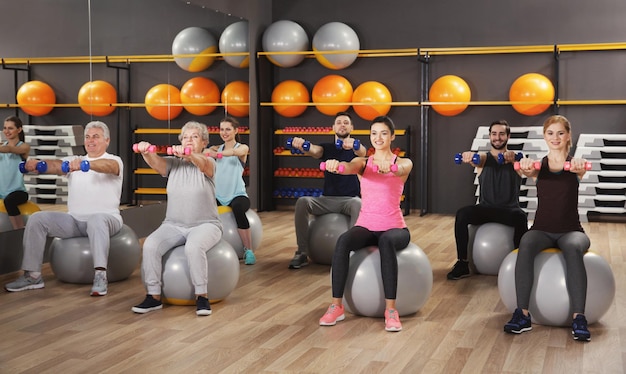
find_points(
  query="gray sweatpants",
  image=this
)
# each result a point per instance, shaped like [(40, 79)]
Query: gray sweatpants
[(307, 205), (198, 241), (573, 245), (98, 228)]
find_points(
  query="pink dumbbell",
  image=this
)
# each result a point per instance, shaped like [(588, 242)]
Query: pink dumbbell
[(393, 168), (151, 149), (340, 168), (170, 151), (536, 165), (568, 165)]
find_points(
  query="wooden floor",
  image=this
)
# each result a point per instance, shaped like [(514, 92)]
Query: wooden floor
[(269, 324)]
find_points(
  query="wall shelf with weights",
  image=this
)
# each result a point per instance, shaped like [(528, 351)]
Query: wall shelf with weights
[(296, 175), (141, 172)]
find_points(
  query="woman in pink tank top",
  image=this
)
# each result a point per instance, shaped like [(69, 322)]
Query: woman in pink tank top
[(380, 221)]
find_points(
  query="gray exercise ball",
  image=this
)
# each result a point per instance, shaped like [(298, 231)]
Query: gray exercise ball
[(549, 300), (71, 259), (492, 243), (223, 274), (364, 293), (324, 230), (231, 233)]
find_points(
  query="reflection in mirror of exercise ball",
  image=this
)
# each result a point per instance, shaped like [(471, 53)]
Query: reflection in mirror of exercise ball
[(194, 41), (93, 96), (37, 93), (285, 36), (371, 92), (452, 89), (236, 92), (289, 92), (332, 89), (159, 99), (336, 36), (234, 39), (200, 90), (531, 87)]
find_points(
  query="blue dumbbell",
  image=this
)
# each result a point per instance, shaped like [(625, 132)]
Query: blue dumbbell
[(306, 146), (518, 157), (458, 159), (355, 146), (42, 166), (22, 167), (84, 166)]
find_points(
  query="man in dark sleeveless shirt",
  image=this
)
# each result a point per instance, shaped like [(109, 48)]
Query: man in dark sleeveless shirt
[(499, 196), (341, 192)]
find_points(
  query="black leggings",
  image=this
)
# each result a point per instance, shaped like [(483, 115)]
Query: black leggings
[(12, 200), (573, 245), (479, 214), (388, 242), (240, 206)]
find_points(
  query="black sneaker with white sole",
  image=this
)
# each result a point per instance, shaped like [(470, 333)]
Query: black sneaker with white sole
[(148, 305)]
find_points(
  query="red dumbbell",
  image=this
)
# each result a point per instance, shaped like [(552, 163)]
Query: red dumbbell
[(536, 165), (568, 165), (151, 148), (170, 151), (340, 168), (393, 168)]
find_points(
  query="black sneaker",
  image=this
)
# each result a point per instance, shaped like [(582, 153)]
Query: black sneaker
[(579, 329), (460, 270), (519, 323), (148, 305), (203, 308), (299, 260)]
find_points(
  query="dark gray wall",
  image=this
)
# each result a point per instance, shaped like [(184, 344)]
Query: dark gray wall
[(427, 24), (119, 27)]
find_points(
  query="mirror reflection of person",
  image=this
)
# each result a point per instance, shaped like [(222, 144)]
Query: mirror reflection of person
[(230, 187), (13, 151)]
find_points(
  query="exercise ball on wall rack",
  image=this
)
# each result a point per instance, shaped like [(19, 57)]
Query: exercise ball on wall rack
[(159, 99), (36, 93), (194, 41), (452, 89), (332, 89), (96, 96), (289, 92), (534, 88), (336, 36), (234, 39), (285, 36)]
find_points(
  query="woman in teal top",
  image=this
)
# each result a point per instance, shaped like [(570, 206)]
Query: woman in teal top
[(13, 151), (230, 189)]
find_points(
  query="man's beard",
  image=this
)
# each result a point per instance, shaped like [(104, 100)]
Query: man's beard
[(500, 147)]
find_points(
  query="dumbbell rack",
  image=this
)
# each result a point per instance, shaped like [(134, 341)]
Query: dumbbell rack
[(51, 142), (309, 184), (602, 191)]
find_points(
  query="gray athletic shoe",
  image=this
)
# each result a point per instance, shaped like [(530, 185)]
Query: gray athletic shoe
[(100, 284), (298, 261), (23, 283)]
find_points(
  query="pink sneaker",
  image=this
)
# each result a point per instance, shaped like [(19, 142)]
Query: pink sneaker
[(392, 320), (333, 314)]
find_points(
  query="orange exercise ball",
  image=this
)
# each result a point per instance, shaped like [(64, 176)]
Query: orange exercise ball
[(98, 93), (531, 87), (237, 92), (159, 100), (371, 92), (36, 93), (332, 89), (449, 88), (200, 90), (288, 92)]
